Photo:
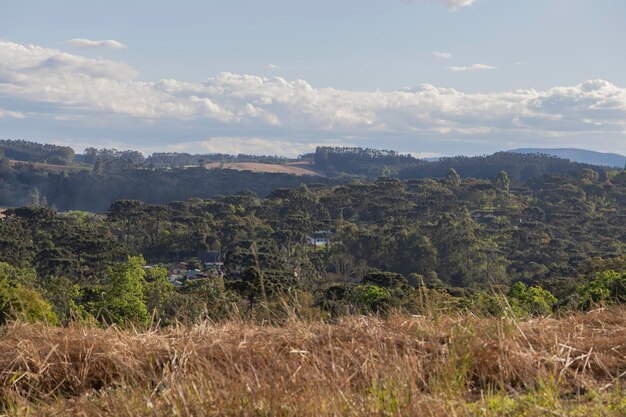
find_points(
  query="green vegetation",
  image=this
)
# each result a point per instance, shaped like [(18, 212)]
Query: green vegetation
[(352, 161), (498, 247), (607, 287), (19, 297)]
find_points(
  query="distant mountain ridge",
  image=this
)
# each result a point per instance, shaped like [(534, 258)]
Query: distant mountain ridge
[(579, 155)]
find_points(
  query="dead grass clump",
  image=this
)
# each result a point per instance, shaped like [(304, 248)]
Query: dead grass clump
[(399, 365)]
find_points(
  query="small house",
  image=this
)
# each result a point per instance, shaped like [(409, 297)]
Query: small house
[(320, 238)]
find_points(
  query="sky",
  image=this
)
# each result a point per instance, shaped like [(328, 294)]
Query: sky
[(427, 77)]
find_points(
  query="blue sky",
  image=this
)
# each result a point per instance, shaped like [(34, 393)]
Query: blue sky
[(431, 77)]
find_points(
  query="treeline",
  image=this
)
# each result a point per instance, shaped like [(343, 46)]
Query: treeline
[(96, 190), (113, 159), (373, 163), (335, 160), (175, 159), (461, 243), (21, 150), (107, 175), (520, 167)]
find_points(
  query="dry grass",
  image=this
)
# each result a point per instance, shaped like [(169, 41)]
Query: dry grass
[(360, 366), (51, 167), (292, 168)]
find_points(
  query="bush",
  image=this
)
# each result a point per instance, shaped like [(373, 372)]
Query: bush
[(20, 301), (607, 287), (531, 300), (371, 298)]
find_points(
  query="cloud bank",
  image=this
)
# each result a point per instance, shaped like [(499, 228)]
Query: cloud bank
[(87, 43), (62, 96)]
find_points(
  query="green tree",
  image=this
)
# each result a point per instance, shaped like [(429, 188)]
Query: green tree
[(531, 300), (503, 183), (194, 263), (123, 297), (607, 287), (371, 298), (64, 296), (453, 179), (589, 176), (158, 291), (18, 300)]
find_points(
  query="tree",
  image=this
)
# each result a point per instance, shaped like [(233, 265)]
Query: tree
[(503, 183), (123, 296), (251, 286), (34, 197), (158, 291), (607, 287), (19, 300), (531, 300), (64, 296), (194, 263), (453, 179), (371, 298), (589, 176)]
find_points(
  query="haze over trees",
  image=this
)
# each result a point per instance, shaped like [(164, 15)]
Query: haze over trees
[(32, 173)]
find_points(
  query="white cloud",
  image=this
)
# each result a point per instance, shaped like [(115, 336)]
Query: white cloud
[(442, 55), (473, 67), (455, 4), (272, 66), (237, 145), (63, 93), (11, 114), (450, 4), (88, 43)]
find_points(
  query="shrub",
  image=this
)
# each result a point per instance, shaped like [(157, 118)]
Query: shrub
[(371, 298), (20, 301), (531, 300), (607, 287)]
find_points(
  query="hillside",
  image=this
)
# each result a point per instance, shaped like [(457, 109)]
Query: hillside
[(32, 172), (354, 161), (294, 168), (579, 155)]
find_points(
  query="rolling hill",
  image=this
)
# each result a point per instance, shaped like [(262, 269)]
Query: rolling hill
[(579, 155)]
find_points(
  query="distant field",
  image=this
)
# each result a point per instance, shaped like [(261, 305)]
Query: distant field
[(51, 167), (296, 168)]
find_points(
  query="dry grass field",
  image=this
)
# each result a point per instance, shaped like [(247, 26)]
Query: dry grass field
[(296, 168), (358, 366), (51, 167)]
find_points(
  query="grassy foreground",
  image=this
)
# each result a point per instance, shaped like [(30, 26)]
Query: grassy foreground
[(359, 366)]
